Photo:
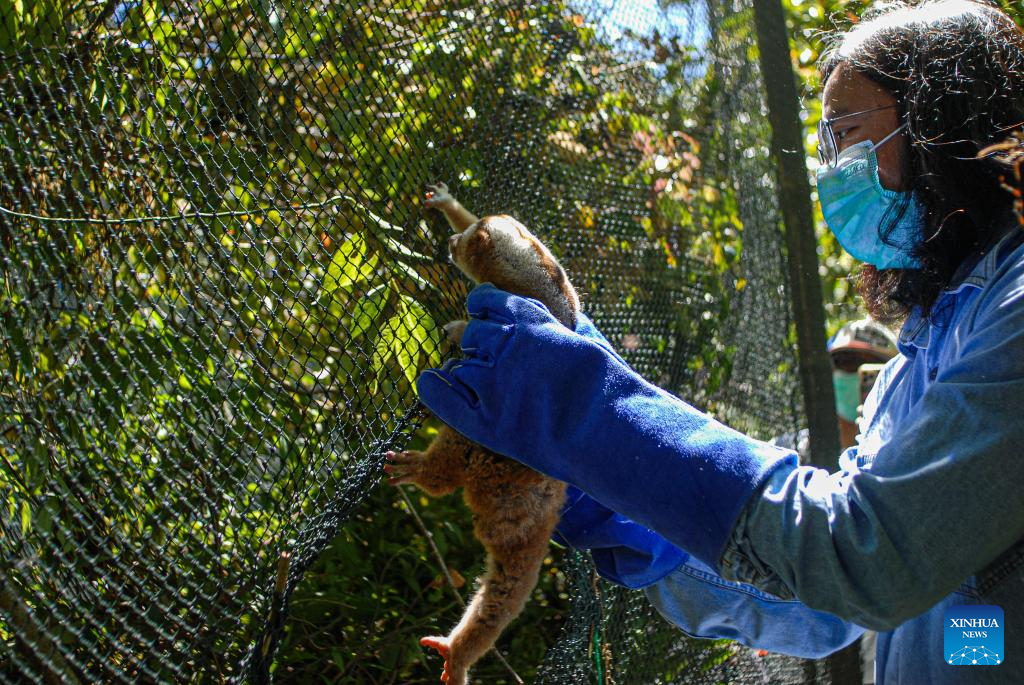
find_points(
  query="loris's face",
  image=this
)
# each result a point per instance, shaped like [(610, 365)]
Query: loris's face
[(499, 250)]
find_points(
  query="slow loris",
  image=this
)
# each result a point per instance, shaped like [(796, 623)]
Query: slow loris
[(514, 508)]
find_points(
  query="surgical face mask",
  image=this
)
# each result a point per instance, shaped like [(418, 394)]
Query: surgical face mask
[(855, 206), (847, 387)]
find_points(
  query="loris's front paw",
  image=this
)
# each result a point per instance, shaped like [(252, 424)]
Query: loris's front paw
[(452, 673), (437, 196), (454, 330)]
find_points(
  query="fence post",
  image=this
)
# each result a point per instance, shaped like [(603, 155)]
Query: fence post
[(794, 201), (808, 311)]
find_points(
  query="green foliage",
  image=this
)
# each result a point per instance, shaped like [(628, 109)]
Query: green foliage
[(190, 367)]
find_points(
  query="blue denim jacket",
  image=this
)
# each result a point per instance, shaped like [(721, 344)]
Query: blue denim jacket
[(926, 511)]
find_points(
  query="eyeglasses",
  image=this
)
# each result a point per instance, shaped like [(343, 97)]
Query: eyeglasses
[(828, 149)]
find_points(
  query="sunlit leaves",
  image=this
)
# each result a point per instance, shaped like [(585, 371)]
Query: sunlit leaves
[(350, 266), (10, 23), (368, 310), (35, 23), (408, 337)]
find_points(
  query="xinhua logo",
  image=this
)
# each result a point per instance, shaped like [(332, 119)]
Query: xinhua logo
[(973, 635)]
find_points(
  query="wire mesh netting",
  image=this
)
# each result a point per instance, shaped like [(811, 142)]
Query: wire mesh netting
[(219, 284)]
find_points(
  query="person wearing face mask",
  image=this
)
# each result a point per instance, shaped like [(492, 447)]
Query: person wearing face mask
[(730, 536), (854, 345)]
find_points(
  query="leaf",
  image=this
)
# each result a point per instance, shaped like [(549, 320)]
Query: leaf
[(26, 517), (384, 347), (406, 360), (416, 332), (350, 266), (402, 336), (368, 309), (151, 318), (411, 274), (423, 330)]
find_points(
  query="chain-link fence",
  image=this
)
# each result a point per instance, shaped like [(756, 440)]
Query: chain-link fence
[(218, 284)]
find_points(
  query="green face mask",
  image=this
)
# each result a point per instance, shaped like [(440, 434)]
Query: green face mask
[(847, 387)]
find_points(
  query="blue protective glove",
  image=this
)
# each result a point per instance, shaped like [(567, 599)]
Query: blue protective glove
[(623, 552), (568, 407)]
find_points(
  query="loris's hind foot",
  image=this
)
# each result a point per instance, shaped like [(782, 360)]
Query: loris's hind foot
[(450, 675)]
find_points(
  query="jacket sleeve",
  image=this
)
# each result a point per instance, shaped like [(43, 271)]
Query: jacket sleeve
[(704, 605)]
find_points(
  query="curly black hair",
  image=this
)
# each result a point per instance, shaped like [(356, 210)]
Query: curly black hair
[(956, 68)]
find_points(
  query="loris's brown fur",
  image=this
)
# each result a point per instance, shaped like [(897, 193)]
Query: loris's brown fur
[(515, 509)]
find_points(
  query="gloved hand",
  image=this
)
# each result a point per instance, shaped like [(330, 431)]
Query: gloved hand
[(568, 407), (624, 552)]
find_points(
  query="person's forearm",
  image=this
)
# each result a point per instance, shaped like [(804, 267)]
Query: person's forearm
[(690, 594)]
